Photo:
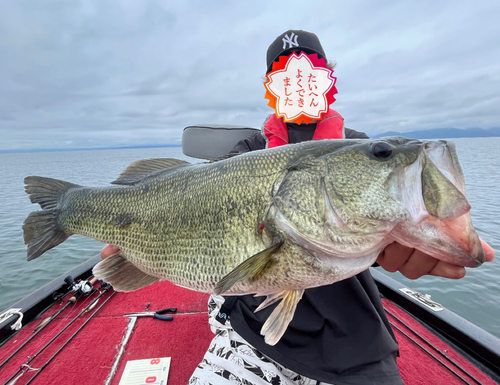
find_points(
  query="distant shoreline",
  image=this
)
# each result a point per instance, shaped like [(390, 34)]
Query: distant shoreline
[(445, 133), (87, 148), (435, 133)]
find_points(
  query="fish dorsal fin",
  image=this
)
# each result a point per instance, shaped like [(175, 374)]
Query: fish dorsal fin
[(122, 274), (441, 198), (140, 169), (276, 324), (249, 270)]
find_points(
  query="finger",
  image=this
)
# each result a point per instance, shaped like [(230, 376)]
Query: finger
[(394, 256), (418, 264), (448, 270), (109, 250), (489, 252)]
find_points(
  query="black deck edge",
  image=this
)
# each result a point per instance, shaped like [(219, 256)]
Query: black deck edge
[(474, 341), (35, 303)]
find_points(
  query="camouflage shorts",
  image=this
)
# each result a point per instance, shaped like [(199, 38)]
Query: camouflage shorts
[(232, 360)]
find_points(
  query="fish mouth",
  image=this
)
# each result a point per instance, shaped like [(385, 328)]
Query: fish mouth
[(461, 231), (454, 241), (441, 224), (455, 222)]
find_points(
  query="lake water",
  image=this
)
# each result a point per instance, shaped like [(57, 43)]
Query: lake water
[(476, 297)]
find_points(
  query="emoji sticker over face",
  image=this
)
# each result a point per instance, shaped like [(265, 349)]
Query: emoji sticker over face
[(300, 87)]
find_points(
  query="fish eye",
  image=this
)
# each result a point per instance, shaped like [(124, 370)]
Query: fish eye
[(381, 150)]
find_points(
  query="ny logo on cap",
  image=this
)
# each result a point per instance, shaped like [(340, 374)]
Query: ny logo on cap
[(291, 41)]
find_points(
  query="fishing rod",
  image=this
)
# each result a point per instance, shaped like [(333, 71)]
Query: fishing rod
[(81, 288), (72, 336), (25, 366)]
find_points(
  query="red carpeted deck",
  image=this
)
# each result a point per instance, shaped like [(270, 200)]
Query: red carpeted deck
[(425, 358), (91, 354)]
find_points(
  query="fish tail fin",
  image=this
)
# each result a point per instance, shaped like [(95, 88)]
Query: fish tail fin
[(41, 230), (41, 233), (45, 191)]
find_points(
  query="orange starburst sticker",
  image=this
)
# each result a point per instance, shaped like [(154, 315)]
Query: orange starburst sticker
[(300, 87)]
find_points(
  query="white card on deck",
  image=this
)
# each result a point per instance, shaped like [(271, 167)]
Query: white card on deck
[(149, 371)]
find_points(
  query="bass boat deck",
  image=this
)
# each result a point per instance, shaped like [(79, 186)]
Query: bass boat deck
[(78, 346)]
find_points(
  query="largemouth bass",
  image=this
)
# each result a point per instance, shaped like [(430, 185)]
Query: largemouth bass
[(271, 222)]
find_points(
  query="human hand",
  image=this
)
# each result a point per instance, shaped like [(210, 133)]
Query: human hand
[(413, 263), (108, 251)]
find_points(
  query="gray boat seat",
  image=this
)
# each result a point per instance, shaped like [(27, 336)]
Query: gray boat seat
[(210, 141)]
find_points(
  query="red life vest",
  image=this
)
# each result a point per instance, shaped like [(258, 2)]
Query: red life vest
[(330, 127)]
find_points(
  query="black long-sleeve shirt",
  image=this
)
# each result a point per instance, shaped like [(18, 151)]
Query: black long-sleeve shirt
[(340, 333)]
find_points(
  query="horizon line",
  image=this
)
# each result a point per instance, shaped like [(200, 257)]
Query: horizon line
[(88, 148)]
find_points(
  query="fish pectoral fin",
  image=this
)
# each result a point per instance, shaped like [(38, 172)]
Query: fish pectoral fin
[(275, 326), (122, 274), (249, 270), (140, 169)]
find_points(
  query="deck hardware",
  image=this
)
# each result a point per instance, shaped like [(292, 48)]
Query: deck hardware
[(10, 313), (155, 314), (424, 299)]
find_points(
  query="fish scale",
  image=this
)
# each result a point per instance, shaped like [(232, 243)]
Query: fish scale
[(272, 222)]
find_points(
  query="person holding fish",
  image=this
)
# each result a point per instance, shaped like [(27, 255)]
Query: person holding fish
[(339, 333)]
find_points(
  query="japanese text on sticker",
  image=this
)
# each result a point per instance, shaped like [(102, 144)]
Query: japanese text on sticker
[(302, 90)]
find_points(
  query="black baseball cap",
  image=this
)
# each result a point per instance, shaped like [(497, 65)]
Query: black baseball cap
[(290, 41)]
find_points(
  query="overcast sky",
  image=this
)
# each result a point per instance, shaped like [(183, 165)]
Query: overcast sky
[(111, 73)]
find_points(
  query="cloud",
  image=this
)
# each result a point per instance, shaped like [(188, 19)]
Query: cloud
[(100, 73)]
